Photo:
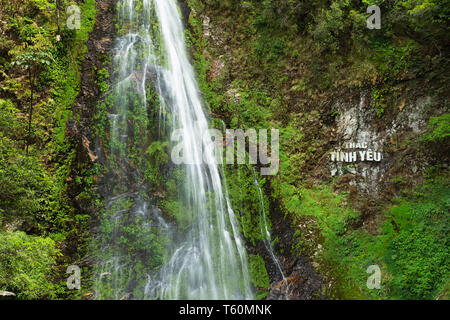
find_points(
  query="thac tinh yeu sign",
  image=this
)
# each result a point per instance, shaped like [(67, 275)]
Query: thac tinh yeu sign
[(363, 154)]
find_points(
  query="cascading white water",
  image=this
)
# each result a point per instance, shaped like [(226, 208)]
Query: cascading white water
[(207, 260), (265, 230)]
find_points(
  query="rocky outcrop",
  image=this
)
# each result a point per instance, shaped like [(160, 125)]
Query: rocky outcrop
[(99, 46), (358, 123), (302, 281), (80, 129)]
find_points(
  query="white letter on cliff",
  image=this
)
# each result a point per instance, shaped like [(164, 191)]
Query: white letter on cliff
[(362, 155)]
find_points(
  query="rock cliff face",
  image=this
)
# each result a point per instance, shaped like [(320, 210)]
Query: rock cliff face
[(348, 139), (302, 281), (81, 129), (99, 48), (358, 123), (357, 140)]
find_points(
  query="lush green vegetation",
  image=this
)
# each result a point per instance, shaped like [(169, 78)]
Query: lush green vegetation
[(418, 253), (27, 265), (283, 65), (436, 138), (39, 81), (410, 242)]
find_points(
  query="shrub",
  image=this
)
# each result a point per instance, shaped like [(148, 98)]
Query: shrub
[(26, 264), (419, 255)]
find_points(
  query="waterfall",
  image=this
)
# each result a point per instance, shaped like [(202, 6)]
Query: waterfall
[(142, 254), (265, 229)]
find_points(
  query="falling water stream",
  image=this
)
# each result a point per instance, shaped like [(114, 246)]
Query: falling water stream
[(205, 257), (265, 229)]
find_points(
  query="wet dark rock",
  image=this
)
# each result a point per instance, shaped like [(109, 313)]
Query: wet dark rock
[(80, 127), (302, 282), (185, 12)]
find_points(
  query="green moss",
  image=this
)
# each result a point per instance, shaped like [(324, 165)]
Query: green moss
[(438, 130), (411, 247), (155, 168), (418, 256), (259, 276), (245, 201), (102, 76)]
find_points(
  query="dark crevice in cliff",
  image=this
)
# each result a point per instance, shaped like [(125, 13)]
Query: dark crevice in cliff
[(81, 128)]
